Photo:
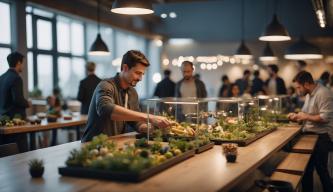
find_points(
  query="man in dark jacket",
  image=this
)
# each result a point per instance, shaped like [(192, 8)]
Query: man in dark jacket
[(115, 102), (275, 85), (257, 84), (190, 86), (165, 88), (87, 87), (244, 82), (12, 101)]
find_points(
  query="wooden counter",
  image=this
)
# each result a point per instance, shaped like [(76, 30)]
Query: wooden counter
[(61, 123), (204, 172)]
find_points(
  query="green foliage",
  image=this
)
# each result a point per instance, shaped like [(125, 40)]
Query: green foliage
[(36, 164)]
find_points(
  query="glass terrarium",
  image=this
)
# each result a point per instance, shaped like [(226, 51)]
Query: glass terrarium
[(274, 108), (184, 113)]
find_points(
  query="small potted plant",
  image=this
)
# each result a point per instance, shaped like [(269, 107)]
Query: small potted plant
[(230, 152), (36, 167)]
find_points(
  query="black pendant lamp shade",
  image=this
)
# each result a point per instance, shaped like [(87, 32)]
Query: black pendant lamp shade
[(268, 54), (132, 7), (98, 47), (302, 50), (243, 52), (275, 31)]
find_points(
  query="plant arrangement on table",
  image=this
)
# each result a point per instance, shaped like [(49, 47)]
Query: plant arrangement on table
[(15, 121), (131, 158), (230, 151), (36, 167)]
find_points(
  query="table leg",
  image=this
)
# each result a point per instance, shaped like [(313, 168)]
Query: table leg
[(78, 132), (54, 137), (32, 137)]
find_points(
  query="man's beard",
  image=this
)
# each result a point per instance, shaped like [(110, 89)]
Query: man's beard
[(133, 83)]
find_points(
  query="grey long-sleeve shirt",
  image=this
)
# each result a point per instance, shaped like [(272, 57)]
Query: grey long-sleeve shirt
[(107, 94), (319, 102)]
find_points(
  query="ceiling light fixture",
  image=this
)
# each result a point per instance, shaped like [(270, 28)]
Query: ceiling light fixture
[(132, 7), (99, 48)]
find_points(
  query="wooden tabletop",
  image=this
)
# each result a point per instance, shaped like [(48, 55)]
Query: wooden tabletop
[(207, 171), (75, 121)]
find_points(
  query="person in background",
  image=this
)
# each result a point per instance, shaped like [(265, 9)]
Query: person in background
[(244, 82), (197, 76), (165, 88), (257, 87), (225, 86), (234, 90), (115, 102), (87, 87), (275, 85), (12, 101), (53, 108), (324, 78), (190, 86), (57, 93), (301, 65), (317, 118)]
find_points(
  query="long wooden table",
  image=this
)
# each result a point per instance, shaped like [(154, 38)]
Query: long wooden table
[(203, 172), (76, 122)]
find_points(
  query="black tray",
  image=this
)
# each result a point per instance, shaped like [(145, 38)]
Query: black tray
[(123, 176), (165, 138), (204, 148), (244, 142)]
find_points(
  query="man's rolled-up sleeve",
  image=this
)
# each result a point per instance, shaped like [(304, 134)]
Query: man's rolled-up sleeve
[(104, 99), (326, 107)]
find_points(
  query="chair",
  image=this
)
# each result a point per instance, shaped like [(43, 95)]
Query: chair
[(8, 149)]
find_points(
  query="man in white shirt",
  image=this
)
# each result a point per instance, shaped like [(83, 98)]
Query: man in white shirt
[(317, 118)]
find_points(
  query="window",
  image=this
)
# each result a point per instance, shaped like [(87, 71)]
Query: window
[(72, 71), (44, 34), (5, 32), (45, 73), (5, 36), (57, 54), (3, 58)]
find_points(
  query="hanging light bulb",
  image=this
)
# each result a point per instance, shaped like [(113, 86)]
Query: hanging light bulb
[(302, 50), (243, 52), (275, 31), (132, 7), (98, 48), (268, 54)]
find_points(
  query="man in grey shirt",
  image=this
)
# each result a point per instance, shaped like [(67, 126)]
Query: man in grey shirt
[(115, 104), (317, 118)]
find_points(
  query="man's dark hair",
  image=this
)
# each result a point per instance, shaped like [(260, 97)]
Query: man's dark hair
[(224, 78), (14, 58), (303, 77), (167, 72), (246, 72), (274, 68), (133, 57), (256, 73), (187, 63)]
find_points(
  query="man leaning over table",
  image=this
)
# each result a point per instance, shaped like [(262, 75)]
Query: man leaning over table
[(114, 107), (317, 118)]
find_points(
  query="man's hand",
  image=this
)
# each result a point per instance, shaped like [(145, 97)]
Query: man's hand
[(292, 116), (159, 121), (302, 116)]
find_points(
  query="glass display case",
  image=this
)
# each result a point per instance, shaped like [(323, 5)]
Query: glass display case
[(275, 108)]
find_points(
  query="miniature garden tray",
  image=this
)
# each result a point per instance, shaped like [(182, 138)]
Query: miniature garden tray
[(247, 141), (124, 176), (204, 148), (165, 138)]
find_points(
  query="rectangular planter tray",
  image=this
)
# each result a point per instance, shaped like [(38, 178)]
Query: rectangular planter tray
[(244, 142), (204, 148), (123, 176)]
